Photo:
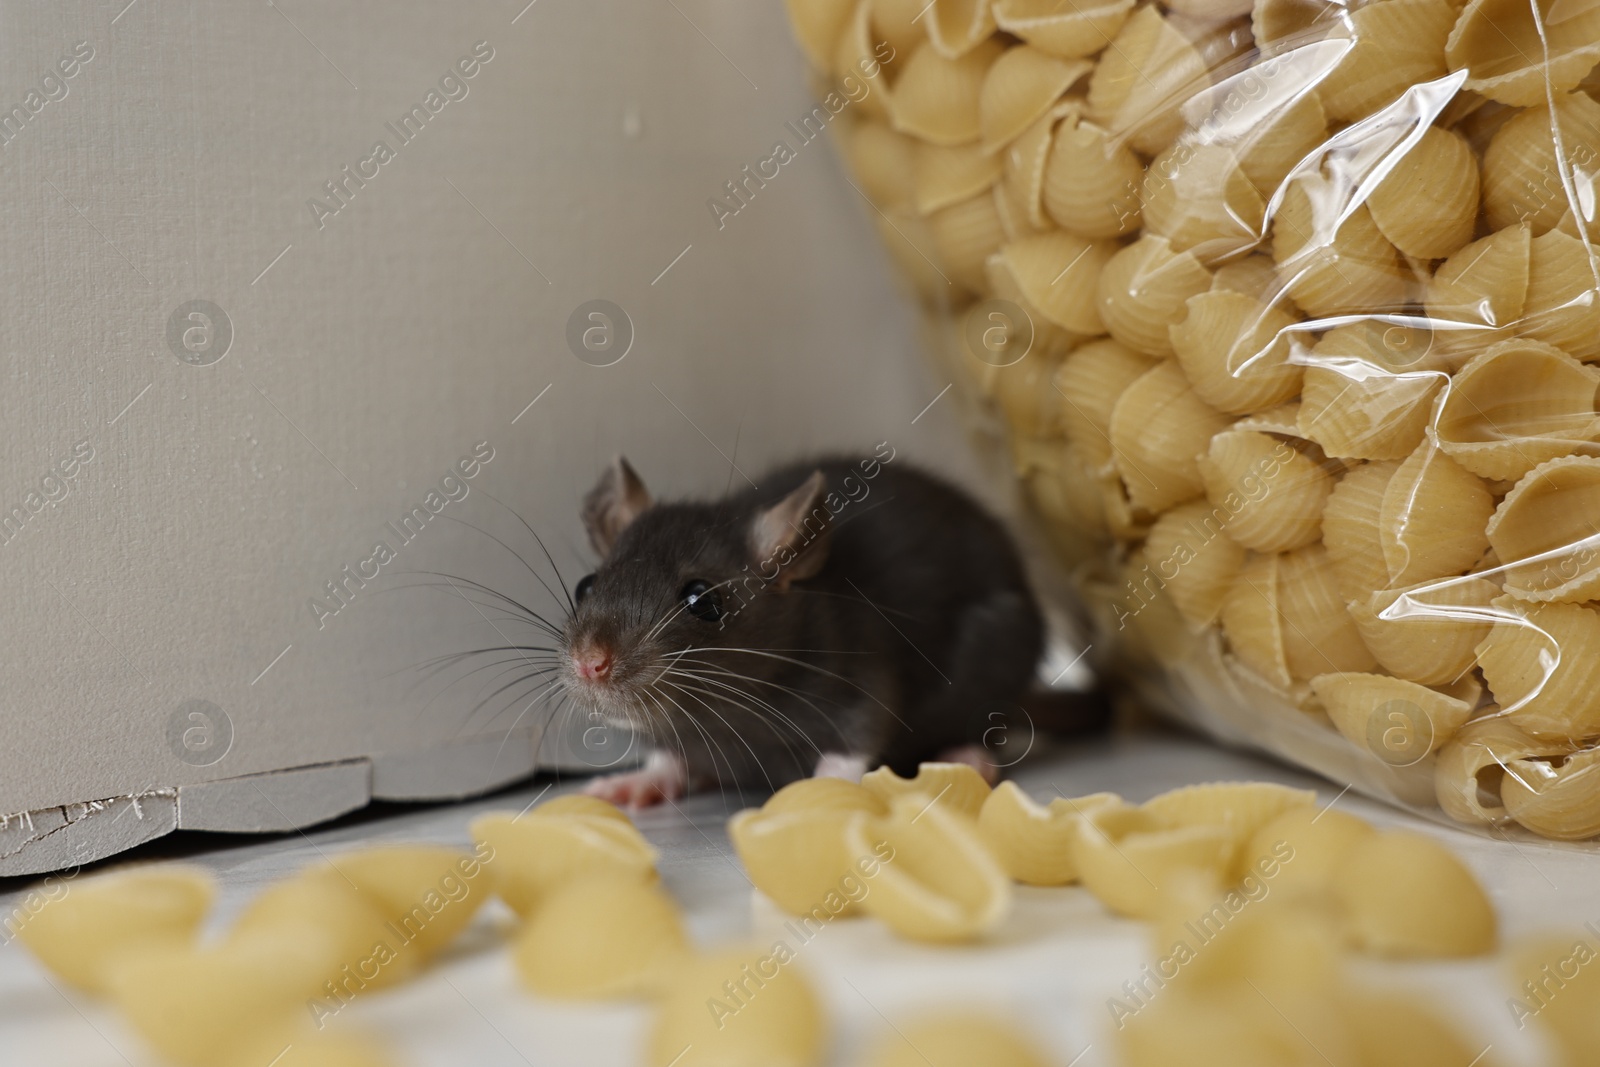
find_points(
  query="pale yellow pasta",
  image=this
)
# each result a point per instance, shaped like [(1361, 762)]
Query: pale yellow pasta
[(1190, 550), (1318, 634), (771, 1016), (941, 176), (80, 934), (1479, 293), (1024, 164), (1335, 261), (1525, 176), (1398, 721), (1048, 337), (1369, 390), (1091, 184), (1032, 841), (1557, 798), (1277, 25), (1068, 495), (600, 937), (954, 786), (858, 69), (905, 234), (1019, 88), (1515, 51), (536, 853), (1158, 430), (1144, 289), (1235, 350), (1273, 493), (1197, 197), (1471, 766), (1427, 203), (1309, 844), (322, 908), (1241, 808), (1394, 45), (1276, 140), (1029, 404), (1058, 273), (1253, 275), (1089, 381), (1427, 633), (429, 893), (1350, 529), (1542, 663), (1013, 218), (936, 97), (818, 25), (935, 879), (1143, 79), (1544, 531), (1066, 29), (955, 1038), (965, 235), (1431, 523), (1563, 307), (1283, 420), (898, 23), (1515, 406), (824, 794), (1252, 623), (1405, 894), (1128, 858), (956, 27), (883, 163), (797, 858)]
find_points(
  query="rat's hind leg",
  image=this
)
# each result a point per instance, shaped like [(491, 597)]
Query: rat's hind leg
[(664, 776)]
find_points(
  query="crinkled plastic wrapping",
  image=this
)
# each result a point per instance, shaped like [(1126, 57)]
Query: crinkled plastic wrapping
[(1290, 313)]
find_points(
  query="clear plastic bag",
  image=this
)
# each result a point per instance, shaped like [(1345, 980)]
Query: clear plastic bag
[(1290, 312)]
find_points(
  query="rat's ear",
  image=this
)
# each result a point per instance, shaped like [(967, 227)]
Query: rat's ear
[(790, 538), (615, 501)]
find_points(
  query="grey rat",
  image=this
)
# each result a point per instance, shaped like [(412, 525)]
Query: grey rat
[(847, 613)]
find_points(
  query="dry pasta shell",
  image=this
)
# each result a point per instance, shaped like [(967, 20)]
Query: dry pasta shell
[(1048, 338), (1063, 27), (1242, 808), (1159, 428), (1563, 307), (1433, 517), (1315, 842), (1091, 185), (1283, 420), (1332, 257), (1272, 494), (1395, 45), (818, 25), (824, 794), (1026, 400), (1199, 199), (797, 858), (1128, 858), (1145, 288), (1515, 51), (1526, 178), (1013, 218), (905, 235), (1286, 130), (1143, 79), (1024, 164), (1399, 722), (1089, 382), (403, 885), (1515, 406), (1471, 765), (1479, 293), (965, 235), (941, 177), (1253, 275), (1251, 620), (536, 853), (899, 22), (1555, 797), (956, 1037), (1019, 89), (322, 908), (1350, 523), (937, 880), (1236, 351), (936, 97), (1278, 25), (1058, 273), (953, 786), (601, 937), (883, 162), (1369, 390), (1033, 841), (1429, 633), (1540, 663), (857, 69), (1196, 559), (1319, 636), (1544, 532), (778, 1021), (1405, 894), (956, 27), (1427, 203)]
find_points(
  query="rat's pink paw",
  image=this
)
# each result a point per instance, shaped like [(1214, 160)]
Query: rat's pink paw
[(662, 778), (974, 756)]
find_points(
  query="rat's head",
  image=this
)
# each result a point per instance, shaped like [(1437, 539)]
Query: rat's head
[(676, 582)]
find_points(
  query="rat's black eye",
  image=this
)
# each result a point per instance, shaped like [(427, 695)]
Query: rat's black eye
[(704, 602), (581, 590)]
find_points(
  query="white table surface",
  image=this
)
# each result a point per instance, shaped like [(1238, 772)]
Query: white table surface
[(1052, 965)]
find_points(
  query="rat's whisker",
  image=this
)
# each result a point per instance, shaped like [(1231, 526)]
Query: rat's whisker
[(762, 703), (529, 567), (562, 582), (740, 737), (453, 579)]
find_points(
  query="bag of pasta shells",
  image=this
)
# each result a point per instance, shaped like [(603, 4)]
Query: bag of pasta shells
[(1288, 312)]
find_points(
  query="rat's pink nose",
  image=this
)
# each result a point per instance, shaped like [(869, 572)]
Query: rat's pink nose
[(592, 662)]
